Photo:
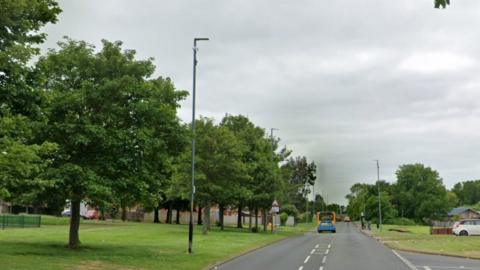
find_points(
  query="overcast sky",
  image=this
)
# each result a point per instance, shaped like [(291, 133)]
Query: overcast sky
[(345, 82)]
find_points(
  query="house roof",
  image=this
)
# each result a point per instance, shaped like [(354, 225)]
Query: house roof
[(459, 210)]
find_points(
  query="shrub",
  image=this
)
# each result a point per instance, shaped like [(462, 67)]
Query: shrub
[(291, 210), (302, 217), (254, 230), (283, 218)]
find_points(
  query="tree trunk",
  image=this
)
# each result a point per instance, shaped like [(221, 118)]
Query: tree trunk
[(206, 219), (124, 213), (220, 216), (156, 218), (239, 216), (102, 213), (256, 219), (249, 219), (73, 240), (264, 220), (177, 220), (199, 217), (168, 220)]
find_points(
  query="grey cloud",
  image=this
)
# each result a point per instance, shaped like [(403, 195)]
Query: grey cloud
[(345, 81)]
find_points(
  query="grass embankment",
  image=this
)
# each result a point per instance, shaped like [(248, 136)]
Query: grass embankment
[(118, 245), (419, 239)]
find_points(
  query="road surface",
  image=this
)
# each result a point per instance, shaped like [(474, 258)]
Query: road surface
[(348, 249)]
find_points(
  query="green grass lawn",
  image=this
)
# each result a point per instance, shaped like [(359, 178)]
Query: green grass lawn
[(419, 239), (118, 245)]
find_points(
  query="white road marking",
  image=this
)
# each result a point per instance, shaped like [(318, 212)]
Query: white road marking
[(427, 268), (308, 258), (451, 267), (321, 268), (300, 268), (324, 259), (326, 251), (316, 246), (329, 245), (405, 261), (313, 251)]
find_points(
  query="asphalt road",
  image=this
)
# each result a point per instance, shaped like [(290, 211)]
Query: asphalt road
[(348, 249)]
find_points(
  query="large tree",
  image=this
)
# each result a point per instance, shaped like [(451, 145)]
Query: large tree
[(116, 128), (467, 192), (23, 157), (298, 177), (420, 193)]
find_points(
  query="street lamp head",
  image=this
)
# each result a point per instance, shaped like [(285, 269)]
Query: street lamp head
[(199, 39)]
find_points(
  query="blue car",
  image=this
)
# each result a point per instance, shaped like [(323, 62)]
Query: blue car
[(326, 226)]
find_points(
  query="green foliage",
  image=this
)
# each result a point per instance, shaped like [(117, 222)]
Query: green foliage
[(283, 218), (420, 193), (24, 157), (467, 192), (117, 130), (20, 21), (298, 176), (290, 210), (441, 3)]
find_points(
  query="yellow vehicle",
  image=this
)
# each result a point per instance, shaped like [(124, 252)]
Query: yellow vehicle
[(326, 216)]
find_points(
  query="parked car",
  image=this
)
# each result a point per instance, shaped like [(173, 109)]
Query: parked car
[(326, 226), (66, 213), (346, 219), (467, 227)]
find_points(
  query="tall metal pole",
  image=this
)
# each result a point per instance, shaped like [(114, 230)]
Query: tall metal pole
[(190, 223), (273, 159), (379, 203)]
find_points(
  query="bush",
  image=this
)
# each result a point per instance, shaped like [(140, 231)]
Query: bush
[(291, 210), (401, 221), (254, 230), (283, 218), (302, 217)]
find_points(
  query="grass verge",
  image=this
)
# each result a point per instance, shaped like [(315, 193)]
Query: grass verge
[(118, 245), (419, 239)]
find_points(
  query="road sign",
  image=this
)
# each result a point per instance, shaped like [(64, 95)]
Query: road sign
[(275, 207)]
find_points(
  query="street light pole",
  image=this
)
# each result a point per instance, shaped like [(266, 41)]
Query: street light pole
[(379, 203), (273, 159), (190, 223)]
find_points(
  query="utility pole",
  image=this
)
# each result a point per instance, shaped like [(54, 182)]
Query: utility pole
[(379, 203), (190, 223)]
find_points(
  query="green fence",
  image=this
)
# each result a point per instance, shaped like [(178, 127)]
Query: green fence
[(19, 221)]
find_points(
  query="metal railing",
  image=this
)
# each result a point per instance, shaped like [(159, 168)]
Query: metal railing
[(19, 221)]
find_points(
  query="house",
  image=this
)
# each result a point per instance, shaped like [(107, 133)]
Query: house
[(464, 213)]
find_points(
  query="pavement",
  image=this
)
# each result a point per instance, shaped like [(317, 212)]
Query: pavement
[(348, 249)]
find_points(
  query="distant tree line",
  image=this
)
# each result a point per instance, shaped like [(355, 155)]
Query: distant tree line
[(418, 195)]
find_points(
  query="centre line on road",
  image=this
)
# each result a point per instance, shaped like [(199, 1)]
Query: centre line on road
[(329, 245), (316, 246), (300, 268), (306, 260), (326, 251), (427, 268), (313, 251), (324, 259), (321, 268)]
